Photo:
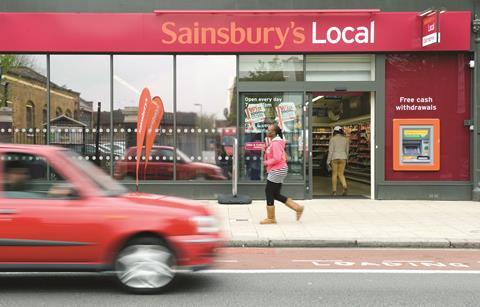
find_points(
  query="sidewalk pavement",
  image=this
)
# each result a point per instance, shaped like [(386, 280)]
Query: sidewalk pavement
[(354, 223)]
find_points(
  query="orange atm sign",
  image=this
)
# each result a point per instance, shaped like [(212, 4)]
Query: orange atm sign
[(404, 132)]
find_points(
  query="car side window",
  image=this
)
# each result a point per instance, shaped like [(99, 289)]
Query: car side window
[(154, 153), (166, 155), (29, 176)]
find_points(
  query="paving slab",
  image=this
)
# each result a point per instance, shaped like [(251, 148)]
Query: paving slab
[(354, 223)]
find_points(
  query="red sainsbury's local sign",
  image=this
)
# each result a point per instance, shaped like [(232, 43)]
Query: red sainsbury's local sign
[(218, 32)]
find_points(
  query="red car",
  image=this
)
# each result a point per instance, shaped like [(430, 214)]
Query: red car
[(59, 212), (160, 167)]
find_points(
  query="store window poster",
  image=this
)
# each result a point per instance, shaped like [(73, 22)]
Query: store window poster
[(286, 116), (255, 117), (260, 111)]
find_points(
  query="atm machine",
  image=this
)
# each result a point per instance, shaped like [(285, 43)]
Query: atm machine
[(416, 145)]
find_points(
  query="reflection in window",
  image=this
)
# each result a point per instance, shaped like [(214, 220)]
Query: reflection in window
[(206, 116), (260, 110), (76, 81), (30, 115), (22, 94), (271, 68), (58, 112), (132, 73), (44, 115)]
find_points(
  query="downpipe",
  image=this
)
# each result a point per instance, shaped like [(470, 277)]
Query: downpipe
[(476, 107)]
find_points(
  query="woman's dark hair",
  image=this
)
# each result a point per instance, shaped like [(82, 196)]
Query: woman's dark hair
[(278, 130)]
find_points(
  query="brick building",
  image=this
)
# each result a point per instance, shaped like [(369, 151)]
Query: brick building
[(26, 92)]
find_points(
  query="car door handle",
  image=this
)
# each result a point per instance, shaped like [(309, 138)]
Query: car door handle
[(8, 211)]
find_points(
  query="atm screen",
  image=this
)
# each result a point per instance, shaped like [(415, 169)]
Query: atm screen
[(416, 145), (411, 150)]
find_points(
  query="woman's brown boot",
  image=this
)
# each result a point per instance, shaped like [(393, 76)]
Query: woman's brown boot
[(296, 207), (270, 216)]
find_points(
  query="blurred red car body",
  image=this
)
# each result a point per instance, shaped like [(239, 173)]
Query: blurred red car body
[(162, 169), (94, 224)]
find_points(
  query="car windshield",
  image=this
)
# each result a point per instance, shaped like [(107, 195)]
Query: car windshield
[(183, 157), (109, 186), (109, 146)]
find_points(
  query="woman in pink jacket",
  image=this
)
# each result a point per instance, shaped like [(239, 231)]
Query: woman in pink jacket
[(276, 163)]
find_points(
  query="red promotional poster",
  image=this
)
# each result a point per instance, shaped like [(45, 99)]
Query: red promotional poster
[(142, 121), (255, 146), (430, 30), (156, 110)]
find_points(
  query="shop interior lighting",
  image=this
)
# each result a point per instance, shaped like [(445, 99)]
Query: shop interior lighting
[(317, 98)]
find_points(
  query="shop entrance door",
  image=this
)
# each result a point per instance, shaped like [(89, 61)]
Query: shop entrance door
[(352, 112)]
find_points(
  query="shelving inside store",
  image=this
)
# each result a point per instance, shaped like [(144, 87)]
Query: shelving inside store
[(320, 139), (358, 166)]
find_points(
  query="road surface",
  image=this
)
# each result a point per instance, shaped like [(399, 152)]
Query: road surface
[(279, 277)]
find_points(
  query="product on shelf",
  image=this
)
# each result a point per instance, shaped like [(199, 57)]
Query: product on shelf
[(320, 141)]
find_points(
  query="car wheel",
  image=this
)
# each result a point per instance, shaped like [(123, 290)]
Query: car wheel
[(145, 266)]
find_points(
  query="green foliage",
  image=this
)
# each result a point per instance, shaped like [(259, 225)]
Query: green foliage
[(267, 71), (9, 61), (232, 113)]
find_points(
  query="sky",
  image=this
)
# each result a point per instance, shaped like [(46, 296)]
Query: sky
[(201, 79)]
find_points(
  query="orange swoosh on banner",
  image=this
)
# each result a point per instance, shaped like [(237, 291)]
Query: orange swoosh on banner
[(142, 121), (155, 110)]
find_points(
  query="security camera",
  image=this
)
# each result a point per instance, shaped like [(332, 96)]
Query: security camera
[(471, 64), (476, 25)]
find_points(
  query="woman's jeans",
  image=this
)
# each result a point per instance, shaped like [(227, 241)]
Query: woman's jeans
[(338, 170)]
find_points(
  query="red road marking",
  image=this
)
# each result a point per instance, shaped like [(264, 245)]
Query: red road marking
[(361, 259)]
